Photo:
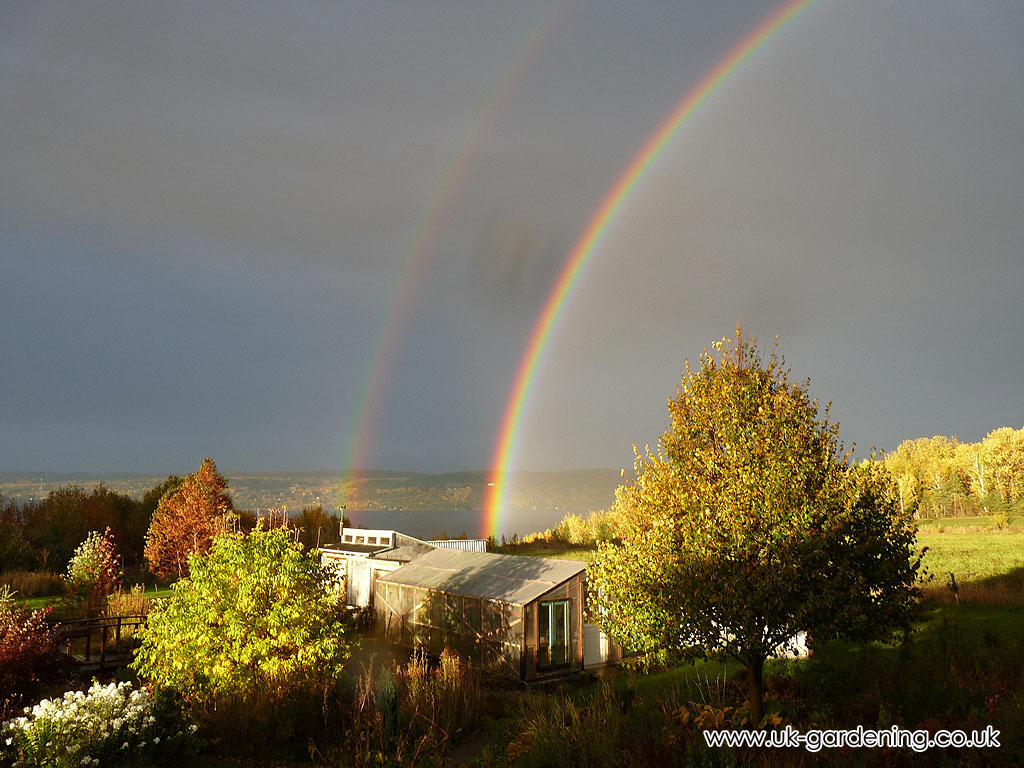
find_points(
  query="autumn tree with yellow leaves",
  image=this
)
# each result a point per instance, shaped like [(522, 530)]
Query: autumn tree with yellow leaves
[(748, 524)]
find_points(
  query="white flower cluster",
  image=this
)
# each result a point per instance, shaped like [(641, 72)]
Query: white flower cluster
[(82, 727)]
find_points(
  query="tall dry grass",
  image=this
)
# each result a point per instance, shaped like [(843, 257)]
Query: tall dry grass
[(997, 594), (411, 714), (131, 603), (32, 583)]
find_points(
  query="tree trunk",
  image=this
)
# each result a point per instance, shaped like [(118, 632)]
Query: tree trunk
[(755, 690)]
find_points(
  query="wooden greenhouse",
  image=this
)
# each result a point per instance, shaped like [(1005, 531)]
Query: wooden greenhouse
[(517, 616)]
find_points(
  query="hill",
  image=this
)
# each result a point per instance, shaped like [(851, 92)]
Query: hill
[(568, 490)]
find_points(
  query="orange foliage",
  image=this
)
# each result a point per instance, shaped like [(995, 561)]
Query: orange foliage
[(186, 520)]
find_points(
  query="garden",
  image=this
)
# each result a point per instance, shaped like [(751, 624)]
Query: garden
[(250, 658)]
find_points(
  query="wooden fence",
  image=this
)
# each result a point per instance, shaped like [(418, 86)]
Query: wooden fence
[(103, 630)]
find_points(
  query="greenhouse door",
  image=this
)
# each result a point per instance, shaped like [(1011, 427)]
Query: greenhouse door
[(553, 635)]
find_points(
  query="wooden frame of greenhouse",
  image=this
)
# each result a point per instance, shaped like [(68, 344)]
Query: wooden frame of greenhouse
[(517, 616)]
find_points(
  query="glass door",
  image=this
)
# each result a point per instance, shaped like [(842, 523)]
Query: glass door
[(553, 634)]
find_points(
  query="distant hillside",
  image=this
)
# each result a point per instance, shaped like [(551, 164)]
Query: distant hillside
[(570, 490)]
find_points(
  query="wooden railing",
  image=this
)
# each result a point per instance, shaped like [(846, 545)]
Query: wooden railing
[(103, 629)]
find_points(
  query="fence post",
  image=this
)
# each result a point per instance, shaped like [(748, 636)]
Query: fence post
[(103, 644)]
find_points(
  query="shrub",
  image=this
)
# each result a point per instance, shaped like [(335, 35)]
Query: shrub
[(109, 725), (573, 529), (29, 653), (254, 631), (1001, 519), (93, 573)]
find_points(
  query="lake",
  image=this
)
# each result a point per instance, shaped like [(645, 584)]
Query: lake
[(427, 524)]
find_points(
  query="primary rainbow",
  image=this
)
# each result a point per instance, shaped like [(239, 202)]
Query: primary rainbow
[(581, 252), (371, 401)]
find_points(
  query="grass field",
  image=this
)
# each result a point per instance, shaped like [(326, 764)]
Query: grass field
[(988, 563), (982, 556)]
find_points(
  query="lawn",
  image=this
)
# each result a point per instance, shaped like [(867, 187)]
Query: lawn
[(41, 601)]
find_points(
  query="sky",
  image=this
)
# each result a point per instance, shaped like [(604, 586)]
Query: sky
[(208, 209)]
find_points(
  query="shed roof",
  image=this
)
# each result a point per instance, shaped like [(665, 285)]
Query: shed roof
[(510, 578), (404, 552), (355, 549)]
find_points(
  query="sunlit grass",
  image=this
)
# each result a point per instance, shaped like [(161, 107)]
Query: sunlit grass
[(988, 565), (41, 601)]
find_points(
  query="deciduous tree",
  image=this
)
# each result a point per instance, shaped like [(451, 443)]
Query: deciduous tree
[(747, 525), (254, 615), (186, 520)]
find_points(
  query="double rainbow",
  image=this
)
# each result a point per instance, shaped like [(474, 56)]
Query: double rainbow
[(615, 198), (450, 188)]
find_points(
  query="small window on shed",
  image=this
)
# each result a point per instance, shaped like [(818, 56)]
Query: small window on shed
[(385, 540), (348, 537), (371, 540), (360, 539)]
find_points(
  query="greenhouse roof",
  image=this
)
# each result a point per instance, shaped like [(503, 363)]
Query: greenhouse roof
[(509, 578)]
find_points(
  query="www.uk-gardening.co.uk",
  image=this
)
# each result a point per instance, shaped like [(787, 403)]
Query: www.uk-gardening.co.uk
[(815, 740)]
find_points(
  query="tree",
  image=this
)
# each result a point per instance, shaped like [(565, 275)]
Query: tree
[(94, 573), (187, 518), (1005, 449), (747, 526), (254, 615), (54, 526), (316, 526)]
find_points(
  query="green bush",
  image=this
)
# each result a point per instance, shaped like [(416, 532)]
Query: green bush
[(253, 639)]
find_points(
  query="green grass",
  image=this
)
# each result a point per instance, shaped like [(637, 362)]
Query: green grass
[(970, 547), (41, 601), (973, 556), (556, 551), (980, 521)]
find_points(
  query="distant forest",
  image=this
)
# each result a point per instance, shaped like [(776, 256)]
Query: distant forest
[(940, 476)]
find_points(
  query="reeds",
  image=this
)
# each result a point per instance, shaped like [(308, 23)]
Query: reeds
[(32, 583), (411, 713), (131, 603)]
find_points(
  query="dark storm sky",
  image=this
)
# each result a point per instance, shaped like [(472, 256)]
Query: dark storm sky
[(205, 210)]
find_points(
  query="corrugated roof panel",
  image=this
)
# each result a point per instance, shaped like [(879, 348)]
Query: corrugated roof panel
[(511, 578), (403, 553)]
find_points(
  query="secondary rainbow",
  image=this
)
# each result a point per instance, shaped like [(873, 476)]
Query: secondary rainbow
[(519, 395), (395, 318)]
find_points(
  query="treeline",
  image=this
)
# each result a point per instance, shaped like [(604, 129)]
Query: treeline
[(42, 535), (940, 476)]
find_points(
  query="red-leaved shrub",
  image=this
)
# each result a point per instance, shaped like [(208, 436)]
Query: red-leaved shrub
[(29, 654)]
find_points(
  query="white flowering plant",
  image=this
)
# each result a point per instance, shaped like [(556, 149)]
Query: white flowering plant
[(93, 574), (108, 725)]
